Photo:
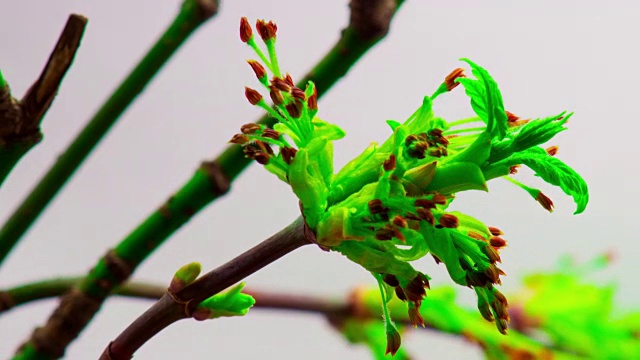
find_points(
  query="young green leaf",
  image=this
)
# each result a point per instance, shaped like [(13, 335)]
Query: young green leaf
[(486, 99)]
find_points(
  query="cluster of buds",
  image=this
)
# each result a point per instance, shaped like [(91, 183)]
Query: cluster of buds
[(432, 143), (389, 206)]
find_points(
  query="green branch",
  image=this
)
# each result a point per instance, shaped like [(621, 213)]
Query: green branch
[(20, 120), (210, 182), (192, 14)]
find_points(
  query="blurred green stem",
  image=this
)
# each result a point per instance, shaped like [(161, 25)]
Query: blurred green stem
[(193, 13)]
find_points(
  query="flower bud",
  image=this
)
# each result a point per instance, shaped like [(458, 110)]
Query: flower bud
[(449, 221), (552, 150), (544, 201), (271, 134), (391, 280), (390, 163), (288, 154), (267, 30), (253, 96), (393, 340), (250, 128), (257, 68), (239, 139), (294, 109), (450, 81), (245, 30)]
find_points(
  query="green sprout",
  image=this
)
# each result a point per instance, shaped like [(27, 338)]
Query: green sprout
[(389, 206)]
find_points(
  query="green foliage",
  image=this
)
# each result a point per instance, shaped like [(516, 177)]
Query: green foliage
[(389, 206), (229, 303)]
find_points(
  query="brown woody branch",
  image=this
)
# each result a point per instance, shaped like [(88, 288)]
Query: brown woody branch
[(20, 120)]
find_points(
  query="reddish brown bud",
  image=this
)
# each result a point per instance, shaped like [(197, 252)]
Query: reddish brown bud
[(545, 201), (294, 109), (442, 141), (485, 311), (414, 316), (435, 133), (450, 81), (399, 221), (492, 273), (393, 340), (492, 254), (400, 293), (514, 169), (257, 68), (426, 215), (495, 231), (297, 93), (439, 199), (245, 30), (390, 163), (253, 96), (475, 235), (437, 152), (410, 139), (288, 154), (250, 128), (391, 280), (502, 326), (384, 234), (425, 203), (276, 95), (312, 101), (552, 150), (436, 259), (262, 158), (449, 221), (281, 84), (511, 117), (411, 216), (264, 147), (271, 134), (239, 139), (497, 242), (501, 298), (289, 80), (267, 30), (376, 207)]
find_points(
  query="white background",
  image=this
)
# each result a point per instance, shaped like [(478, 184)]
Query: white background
[(547, 56)]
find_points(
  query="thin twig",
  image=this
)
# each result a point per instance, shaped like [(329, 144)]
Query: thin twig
[(210, 182), (180, 305), (20, 120)]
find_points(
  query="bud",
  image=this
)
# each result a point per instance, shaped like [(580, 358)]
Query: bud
[(399, 221), (393, 340), (267, 30), (544, 201), (411, 216), (492, 273), (376, 207), (495, 231), (271, 134), (426, 215), (250, 128), (253, 96), (257, 68), (288, 154), (391, 280), (294, 109), (245, 30), (449, 221), (502, 326), (262, 158), (425, 203), (281, 84), (497, 242), (384, 234), (492, 254), (511, 117), (410, 139), (185, 276), (552, 150), (297, 93), (264, 147), (450, 81), (400, 294), (439, 199), (289, 80), (276, 95), (436, 259), (239, 139), (414, 315), (485, 311), (475, 235), (312, 101), (390, 163), (435, 133)]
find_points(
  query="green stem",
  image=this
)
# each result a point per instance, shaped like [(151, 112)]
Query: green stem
[(210, 182), (192, 14)]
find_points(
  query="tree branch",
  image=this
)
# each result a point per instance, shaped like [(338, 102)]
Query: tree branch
[(180, 305), (20, 120), (210, 182), (192, 14)]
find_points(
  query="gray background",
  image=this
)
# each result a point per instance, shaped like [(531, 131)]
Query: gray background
[(547, 56)]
